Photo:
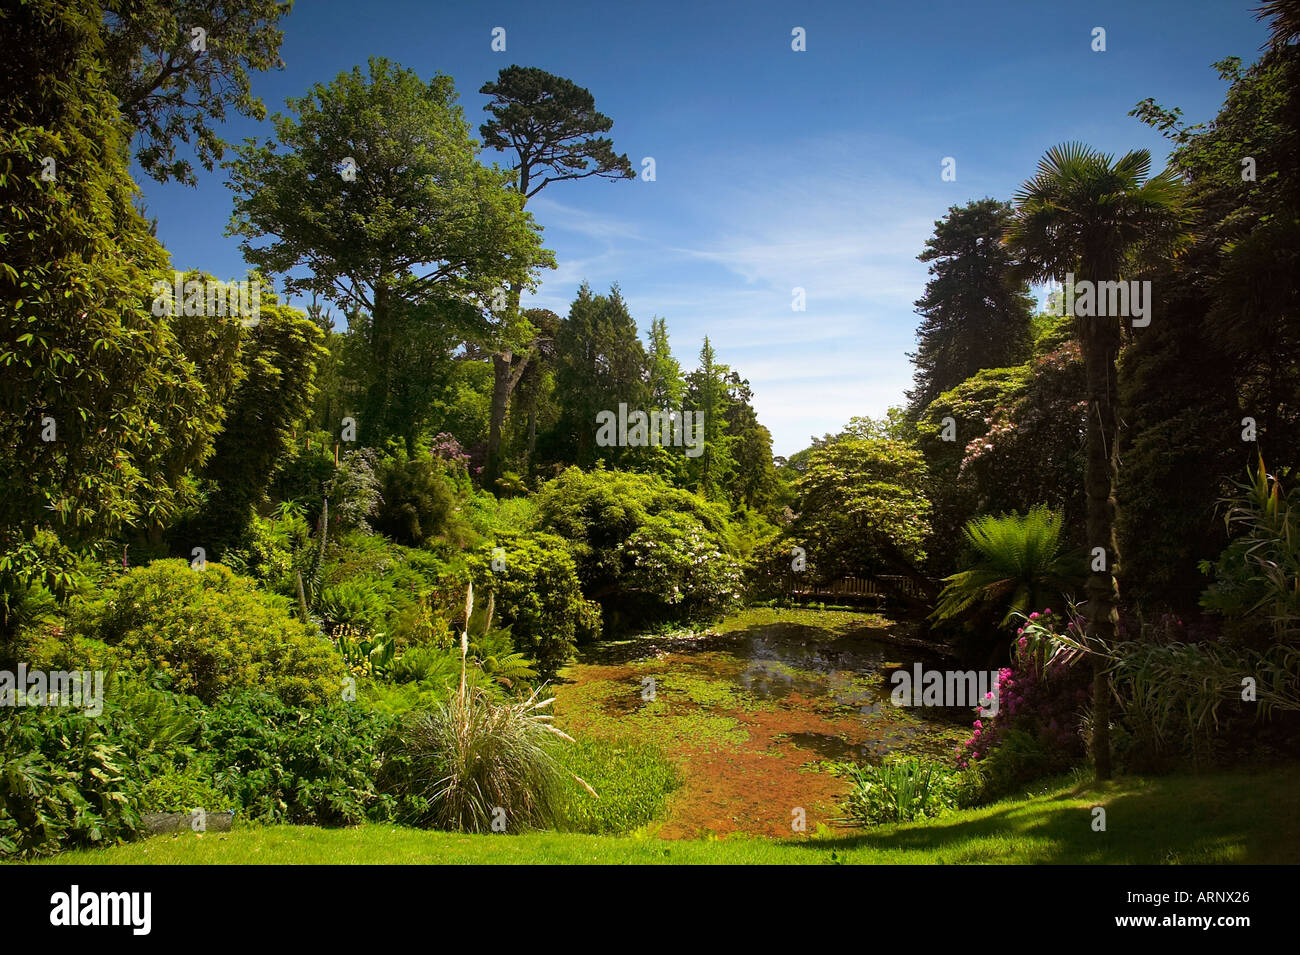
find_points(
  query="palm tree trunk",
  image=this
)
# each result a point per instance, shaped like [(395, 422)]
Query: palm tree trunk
[(1100, 338)]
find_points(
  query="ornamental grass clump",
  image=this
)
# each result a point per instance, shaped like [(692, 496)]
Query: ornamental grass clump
[(476, 764)]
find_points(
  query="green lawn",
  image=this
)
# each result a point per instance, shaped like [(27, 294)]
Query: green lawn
[(1221, 818)]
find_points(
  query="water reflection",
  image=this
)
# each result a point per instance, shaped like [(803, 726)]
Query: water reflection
[(828, 674)]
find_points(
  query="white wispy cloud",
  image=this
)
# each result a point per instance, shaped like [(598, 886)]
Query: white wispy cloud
[(561, 215), (834, 216)]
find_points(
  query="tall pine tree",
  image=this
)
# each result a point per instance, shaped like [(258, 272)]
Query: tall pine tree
[(600, 363), (667, 386), (706, 395), (974, 314)]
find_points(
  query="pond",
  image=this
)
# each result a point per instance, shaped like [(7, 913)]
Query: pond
[(754, 708)]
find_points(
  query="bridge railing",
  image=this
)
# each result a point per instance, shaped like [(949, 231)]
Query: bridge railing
[(882, 587)]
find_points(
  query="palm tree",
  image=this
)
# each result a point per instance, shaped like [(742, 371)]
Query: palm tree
[(1286, 20), (1102, 220)]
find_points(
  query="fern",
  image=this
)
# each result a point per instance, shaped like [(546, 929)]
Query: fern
[(508, 669), (1018, 565)]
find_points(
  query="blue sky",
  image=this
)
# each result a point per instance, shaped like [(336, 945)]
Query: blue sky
[(775, 169)]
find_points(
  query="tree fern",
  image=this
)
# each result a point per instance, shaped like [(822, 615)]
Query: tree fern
[(1019, 566)]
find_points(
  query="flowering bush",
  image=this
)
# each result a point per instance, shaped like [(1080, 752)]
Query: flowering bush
[(447, 449), (1026, 443), (634, 539), (355, 494), (1041, 694), (675, 563)]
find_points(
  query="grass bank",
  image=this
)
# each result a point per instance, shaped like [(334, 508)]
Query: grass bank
[(1234, 817)]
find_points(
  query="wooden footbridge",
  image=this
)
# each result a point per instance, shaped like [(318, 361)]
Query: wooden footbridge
[(881, 588)]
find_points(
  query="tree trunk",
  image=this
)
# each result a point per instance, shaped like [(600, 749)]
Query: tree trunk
[(504, 380), (532, 441), (1100, 341), (502, 383), (500, 404), (377, 427)]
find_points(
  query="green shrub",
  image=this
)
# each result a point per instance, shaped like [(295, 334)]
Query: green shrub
[(305, 766), (27, 597), (493, 651), (632, 780), (58, 648), (752, 531), (518, 513), (489, 515), (422, 624), (535, 584), (439, 666), (24, 606), (211, 632), (1019, 758), (770, 570), (510, 484), (399, 699), (418, 500), (273, 550), (161, 722), (862, 503), (477, 765), (418, 590), (64, 781), (603, 516), (306, 471), (1182, 701), (70, 779), (355, 604), (1256, 584), (183, 785)]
